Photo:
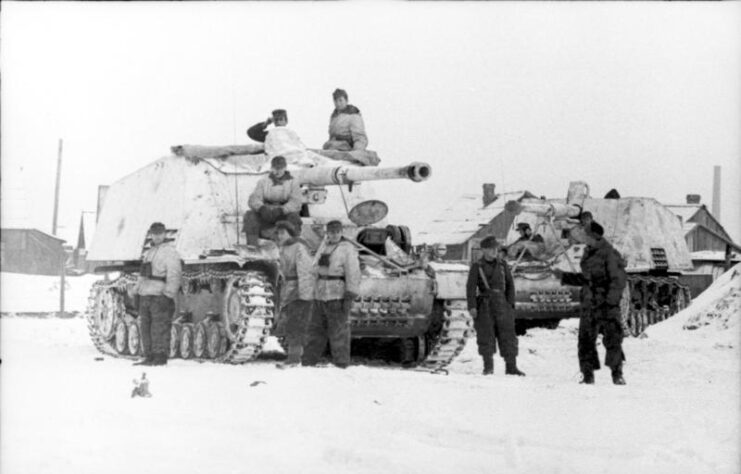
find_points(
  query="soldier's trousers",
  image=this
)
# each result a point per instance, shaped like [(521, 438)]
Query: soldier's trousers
[(296, 316), (495, 322), (605, 320), (155, 322), (254, 224), (329, 321)]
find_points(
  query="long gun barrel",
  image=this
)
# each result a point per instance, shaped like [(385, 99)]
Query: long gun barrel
[(323, 176), (543, 208)]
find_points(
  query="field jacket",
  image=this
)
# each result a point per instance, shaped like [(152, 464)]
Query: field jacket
[(166, 264), (284, 192), (298, 273), (341, 276)]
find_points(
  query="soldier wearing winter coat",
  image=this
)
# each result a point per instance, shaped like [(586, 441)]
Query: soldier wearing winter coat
[(346, 127), (490, 291), (157, 287), (297, 291), (275, 197), (337, 270), (603, 279)]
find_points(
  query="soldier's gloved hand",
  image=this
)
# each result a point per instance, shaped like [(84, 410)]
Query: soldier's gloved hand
[(347, 300), (473, 312)]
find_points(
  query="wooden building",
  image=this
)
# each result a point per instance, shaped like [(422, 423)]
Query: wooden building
[(469, 219), (31, 251)]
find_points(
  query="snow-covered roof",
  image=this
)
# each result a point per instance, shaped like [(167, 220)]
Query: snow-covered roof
[(33, 230), (685, 211), (688, 227), (464, 217)]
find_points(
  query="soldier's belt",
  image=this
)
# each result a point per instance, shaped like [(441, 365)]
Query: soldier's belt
[(331, 277)]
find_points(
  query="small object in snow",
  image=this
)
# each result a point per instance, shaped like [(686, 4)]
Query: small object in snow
[(256, 383), (532, 351), (98, 359), (141, 387), (376, 402)]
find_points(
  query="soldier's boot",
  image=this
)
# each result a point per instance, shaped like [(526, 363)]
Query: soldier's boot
[(617, 375), (293, 358), (511, 367), (488, 364), (145, 361), (587, 377), (159, 359)]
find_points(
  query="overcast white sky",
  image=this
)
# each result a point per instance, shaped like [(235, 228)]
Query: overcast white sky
[(643, 97)]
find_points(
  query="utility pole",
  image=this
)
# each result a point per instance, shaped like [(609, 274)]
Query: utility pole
[(56, 189)]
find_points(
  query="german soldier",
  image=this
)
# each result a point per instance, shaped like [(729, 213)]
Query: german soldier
[(297, 292), (490, 291), (157, 287), (276, 197), (603, 279), (338, 283)]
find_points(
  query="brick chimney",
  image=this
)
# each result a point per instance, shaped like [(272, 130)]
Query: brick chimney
[(489, 194), (693, 199)]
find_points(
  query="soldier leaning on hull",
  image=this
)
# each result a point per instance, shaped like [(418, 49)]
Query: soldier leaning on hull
[(157, 287), (338, 283), (603, 279), (490, 291), (276, 197), (297, 291), (346, 127)]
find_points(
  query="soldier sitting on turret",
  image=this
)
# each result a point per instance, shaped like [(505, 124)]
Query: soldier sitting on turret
[(276, 197), (346, 127)]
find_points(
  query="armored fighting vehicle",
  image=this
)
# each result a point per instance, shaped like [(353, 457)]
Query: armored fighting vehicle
[(648, 236), (228, 301)]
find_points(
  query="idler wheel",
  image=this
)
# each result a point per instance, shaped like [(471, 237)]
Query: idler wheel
[(186, 341), (106, 308), (175, 340), (120, 338), (232, 311), (200, 341), (134, 338)]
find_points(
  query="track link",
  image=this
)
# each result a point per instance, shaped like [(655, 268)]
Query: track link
[(457, 326)]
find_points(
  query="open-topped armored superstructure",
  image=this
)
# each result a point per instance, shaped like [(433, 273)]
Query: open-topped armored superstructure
[(228, 301), (648, 236)]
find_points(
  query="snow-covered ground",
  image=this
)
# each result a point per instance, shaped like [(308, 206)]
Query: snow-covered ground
[(39, 294), (64, 411)]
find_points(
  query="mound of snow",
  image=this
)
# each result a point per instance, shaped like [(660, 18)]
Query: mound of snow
[(21, 293), (713, 315)]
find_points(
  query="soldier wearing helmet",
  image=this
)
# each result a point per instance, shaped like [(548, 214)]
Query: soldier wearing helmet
[(490, 291)]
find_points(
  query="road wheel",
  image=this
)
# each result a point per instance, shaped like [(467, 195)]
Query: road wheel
[(215, 340), (186, 341), (200, 340), (175, 340), (120, 337), (135, 345)]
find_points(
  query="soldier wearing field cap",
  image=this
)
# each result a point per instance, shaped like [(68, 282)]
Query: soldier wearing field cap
[(275, 197), (157, 287), (346, 126), (603, 280), (337, 270), (297, 291), (490, 291)]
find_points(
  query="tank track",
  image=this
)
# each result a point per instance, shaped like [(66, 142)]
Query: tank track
[(457, 327), (648, 300), (253, 290)]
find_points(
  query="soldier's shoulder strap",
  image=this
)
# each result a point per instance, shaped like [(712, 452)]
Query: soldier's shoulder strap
[(483, 278)]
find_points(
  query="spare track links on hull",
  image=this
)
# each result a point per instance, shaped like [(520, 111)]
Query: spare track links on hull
[(457, 327), (651, 300), (113, 331)]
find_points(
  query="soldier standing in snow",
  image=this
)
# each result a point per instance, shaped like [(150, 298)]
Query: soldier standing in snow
[(338, 283), (603, 279), (157, 287), (276, 197), (490, 291), (346, 127), (297, 292)]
